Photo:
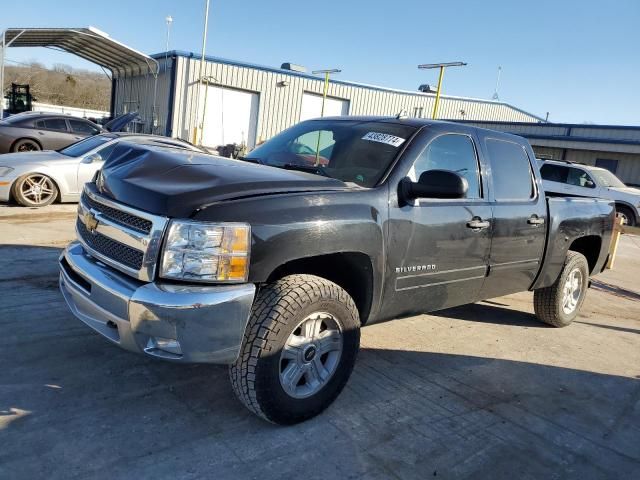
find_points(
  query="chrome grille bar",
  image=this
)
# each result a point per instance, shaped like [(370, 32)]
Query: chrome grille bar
[(115, 225)]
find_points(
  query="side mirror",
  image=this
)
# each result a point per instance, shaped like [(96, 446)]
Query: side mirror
[(435, 184), (589, 184), (93, 158)]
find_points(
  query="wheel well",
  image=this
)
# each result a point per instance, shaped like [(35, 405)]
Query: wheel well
[(25, 138), (350, 270), (588, 246)]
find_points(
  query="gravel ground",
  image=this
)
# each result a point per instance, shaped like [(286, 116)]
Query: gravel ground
[(480, 391)]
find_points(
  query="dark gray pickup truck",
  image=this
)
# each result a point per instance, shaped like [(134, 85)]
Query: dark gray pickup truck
[(273, 262)]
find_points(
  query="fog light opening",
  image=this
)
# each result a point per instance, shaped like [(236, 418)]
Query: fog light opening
[(167, 345)]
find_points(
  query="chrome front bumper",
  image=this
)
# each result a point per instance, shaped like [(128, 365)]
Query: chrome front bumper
[(185, 323)]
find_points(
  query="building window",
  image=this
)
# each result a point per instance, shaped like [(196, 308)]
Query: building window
[(611, 165)]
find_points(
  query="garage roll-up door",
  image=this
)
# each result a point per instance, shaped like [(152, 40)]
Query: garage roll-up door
[(312, 106), (231, 116)]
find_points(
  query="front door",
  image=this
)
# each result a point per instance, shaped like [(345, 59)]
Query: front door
[(438, 249), (519, 217)]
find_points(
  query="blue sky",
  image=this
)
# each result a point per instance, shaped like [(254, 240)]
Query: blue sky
[(578, 60)]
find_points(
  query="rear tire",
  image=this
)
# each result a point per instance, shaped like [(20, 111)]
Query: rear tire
[(34, 190), (25, 145), (627, 215), (560, 303), (299, 349)]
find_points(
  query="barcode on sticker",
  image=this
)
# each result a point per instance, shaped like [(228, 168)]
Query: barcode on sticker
[(384, 138)]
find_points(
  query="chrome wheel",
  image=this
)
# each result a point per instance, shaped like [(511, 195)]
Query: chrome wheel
[(625, 219), (572, 291), (310, 355), (38, 189), (27, 147)]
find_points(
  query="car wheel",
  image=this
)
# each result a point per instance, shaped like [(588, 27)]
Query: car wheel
[(35, 190), (628, 218), (25, 145), (299, 349), (559, 304)]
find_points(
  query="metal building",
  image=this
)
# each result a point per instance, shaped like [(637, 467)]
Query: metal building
[(614, 147), (246, 104)]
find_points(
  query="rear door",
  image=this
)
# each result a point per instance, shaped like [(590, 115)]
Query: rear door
[(435, 257), (519, 216), (53, 133)]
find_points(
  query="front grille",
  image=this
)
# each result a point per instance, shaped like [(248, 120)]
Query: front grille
[(121, 218), (112, 249)]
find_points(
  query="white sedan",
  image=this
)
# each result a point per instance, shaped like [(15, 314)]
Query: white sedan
[(36, 179)]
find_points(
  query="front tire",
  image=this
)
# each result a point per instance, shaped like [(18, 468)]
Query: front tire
[(559, 304), (35, 190), (299, 349)]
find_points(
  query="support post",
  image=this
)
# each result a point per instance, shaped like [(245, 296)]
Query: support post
[(196, 137), (437, 102)]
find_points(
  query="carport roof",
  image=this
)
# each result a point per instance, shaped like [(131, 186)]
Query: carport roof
[(88, 43)]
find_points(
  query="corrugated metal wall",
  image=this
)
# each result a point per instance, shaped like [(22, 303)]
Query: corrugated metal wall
[(136, 93), (280, 105)]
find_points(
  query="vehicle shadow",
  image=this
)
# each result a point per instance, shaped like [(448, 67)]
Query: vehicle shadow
[(72, 405), (490, 311)]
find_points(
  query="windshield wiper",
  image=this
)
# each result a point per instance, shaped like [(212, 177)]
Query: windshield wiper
[(318, 170)]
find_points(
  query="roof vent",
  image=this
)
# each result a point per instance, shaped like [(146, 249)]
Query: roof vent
[(426, 88), (293, 67)]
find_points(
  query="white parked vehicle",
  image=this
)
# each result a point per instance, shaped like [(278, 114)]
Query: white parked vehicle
[(36, 179), (575, 179)]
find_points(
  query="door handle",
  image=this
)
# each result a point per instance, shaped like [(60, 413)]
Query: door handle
[(477, 223), (534, 220)]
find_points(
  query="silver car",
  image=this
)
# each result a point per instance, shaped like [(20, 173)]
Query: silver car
[(36, 179), (567, 178)]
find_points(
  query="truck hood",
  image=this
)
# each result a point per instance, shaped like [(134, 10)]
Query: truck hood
[(176, 183), (626, 190)]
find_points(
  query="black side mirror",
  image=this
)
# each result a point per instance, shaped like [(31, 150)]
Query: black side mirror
[(435, 184)]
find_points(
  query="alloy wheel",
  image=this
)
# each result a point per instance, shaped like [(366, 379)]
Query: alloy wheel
[(310, 355)]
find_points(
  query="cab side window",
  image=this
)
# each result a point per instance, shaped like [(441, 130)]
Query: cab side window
[(554, 173), (580, 178), (510, 170), (453, 152)]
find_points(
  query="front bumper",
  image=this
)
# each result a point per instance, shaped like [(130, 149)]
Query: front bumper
[(184, 323), (5, 189)]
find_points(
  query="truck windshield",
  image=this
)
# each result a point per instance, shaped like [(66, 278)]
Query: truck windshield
[(348, 150), (607, 179)]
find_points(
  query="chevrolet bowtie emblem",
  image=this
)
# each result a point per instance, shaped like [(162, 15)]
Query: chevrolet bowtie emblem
[(90, 221)]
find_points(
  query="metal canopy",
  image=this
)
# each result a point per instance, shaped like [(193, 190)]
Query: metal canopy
[(88, 43)]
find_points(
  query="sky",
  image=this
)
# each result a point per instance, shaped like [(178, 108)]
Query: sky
[(579, 60)]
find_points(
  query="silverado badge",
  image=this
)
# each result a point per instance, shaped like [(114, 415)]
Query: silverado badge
[(90, 221)]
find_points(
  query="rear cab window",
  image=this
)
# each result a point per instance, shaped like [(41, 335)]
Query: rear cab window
[(511, 172)]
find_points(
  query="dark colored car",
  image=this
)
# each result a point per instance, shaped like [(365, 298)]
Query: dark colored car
[(272, 265), (32, 131)]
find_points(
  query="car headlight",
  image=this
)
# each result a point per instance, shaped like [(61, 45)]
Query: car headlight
[(5, 171), (206, 252)]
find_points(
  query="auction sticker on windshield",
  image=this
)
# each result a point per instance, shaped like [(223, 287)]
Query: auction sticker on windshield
[(384, 138)]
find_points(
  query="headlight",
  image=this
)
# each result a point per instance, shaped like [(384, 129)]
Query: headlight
[(5, 171), (206, 252)]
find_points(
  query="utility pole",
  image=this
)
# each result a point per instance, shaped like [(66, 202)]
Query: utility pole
[(441, 66), (196, 137), (326, 72), (169, 21)]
